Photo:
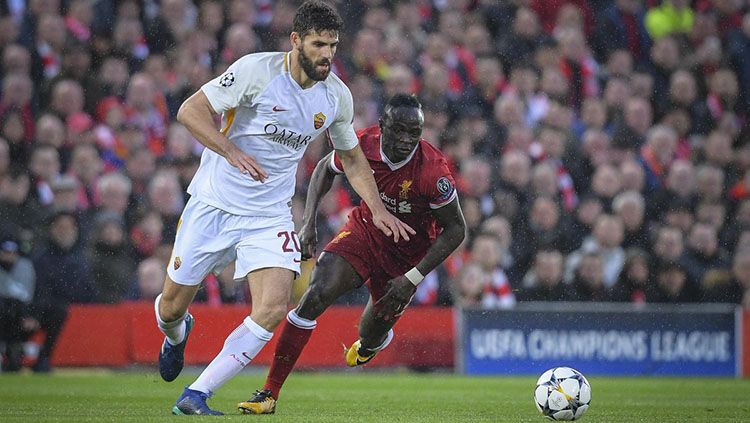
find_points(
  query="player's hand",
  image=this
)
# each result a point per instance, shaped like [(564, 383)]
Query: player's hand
[(392, 226), (246, 164), (394, 302), (308, 239), (29, 324)]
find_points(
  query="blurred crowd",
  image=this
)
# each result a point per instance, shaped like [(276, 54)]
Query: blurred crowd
[(601, 148)]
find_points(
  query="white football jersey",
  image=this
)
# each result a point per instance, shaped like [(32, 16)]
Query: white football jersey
[(270, 117)]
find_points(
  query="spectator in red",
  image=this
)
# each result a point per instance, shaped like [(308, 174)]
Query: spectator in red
[(147, 108), (78, 20), (657, 155)]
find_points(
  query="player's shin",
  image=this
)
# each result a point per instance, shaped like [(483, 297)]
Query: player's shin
[(240, 347), (294, 336), (175, 330)]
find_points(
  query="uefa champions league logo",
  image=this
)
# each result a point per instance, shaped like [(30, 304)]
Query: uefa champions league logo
[(227, 79)]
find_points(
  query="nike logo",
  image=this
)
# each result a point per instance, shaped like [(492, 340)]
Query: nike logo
[(278, 109)]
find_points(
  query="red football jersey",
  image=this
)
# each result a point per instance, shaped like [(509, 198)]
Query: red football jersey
[(410, 190)]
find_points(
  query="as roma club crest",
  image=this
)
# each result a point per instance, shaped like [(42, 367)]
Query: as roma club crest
[(177, 263), (319, 119)]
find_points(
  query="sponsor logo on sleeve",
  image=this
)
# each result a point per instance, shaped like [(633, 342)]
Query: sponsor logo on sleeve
[(227, 80), (445, 188), (177, 262)]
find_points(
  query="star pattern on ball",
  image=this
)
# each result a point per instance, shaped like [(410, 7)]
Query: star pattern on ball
[(227, 79)]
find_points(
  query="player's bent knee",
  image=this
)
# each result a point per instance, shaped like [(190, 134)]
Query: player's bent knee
[(269, 316), (170, 311)]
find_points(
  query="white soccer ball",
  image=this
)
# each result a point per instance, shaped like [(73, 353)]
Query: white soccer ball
[(562, 393)]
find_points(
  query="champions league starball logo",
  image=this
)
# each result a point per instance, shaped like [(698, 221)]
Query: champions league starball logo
[(227, 79)]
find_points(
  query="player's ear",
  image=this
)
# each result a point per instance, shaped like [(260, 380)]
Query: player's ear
[(295, 39)]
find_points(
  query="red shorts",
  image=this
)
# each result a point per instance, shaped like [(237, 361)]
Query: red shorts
[(374, 263)]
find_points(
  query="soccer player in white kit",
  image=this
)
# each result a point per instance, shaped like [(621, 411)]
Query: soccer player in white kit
[(273, 105)]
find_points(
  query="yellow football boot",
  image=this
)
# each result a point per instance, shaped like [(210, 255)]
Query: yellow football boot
[(261, 403), (352, 357)]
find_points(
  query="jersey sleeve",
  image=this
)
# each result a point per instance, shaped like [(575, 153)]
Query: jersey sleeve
[(238, 84), (335, 164), (341, 132), (440, 186)]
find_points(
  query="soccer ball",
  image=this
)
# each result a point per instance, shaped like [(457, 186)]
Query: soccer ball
[(562, 393)]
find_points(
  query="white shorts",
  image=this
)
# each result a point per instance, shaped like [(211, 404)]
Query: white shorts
[(208, 239)]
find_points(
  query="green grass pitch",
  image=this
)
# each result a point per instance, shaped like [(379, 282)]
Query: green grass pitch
[(356, 396)]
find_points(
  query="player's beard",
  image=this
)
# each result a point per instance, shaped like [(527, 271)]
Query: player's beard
[(310, 68)]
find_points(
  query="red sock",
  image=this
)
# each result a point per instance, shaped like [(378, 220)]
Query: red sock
[(291, 343)]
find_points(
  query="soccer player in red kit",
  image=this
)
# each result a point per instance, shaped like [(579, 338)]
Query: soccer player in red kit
[(415, 185)]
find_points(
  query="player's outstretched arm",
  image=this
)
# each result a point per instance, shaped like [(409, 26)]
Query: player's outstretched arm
[(400, 289), (360, 177), (197, 114), (320, 183)]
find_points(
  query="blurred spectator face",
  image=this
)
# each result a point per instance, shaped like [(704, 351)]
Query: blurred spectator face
[(179, 142), (681, 178), (165, 194), (14, 189), (472, 212), (45, 163), (114, 192), (67, 98), (4, 157), (408, 16), (376, 18), (436, 48), (665, 53), (711, 213), (16, 59), (596, 146), (515, 169), (114, 74), (519, 139), (211, 17), (12, 126), (544, 214), (398, 51), (608, 231), (710, 183), (616, 93), (663, 141), (544, 180), (573, 45), (509, 110), (672, 280), (548, 267), (77, 60), (476, 174), (478, 40), (399, 80), (85, 163), (569, 17), (718, 149), (9, 30), (436, 81), (17, 90), (241, 11), (679, 217), (140, 92), (240, 40), (486, 252), (526, 24), (630, 207), (607, 181), (470, 284), (553, 142), (682, 90), (65, 189), (546, 56), (63, 231), (132, 138), (589, 210), (741, 267), (50, 130), (638, 115), (669, 243), (633, 176), (489, 73), (559, 116), (157, 68), (703, 239), (554, 84), (637, 270), (151, 275), (506, 204), (620, 63), (642, 85), (499, 227), (141, 165), (591, 270), (679, 120), (51, 30), (524, 79), (629, 6), (594, 113), (452, 25)]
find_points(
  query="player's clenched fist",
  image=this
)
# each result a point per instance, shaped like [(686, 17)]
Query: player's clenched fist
[(308, 239)]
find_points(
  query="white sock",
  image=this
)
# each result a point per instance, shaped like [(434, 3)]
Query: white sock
[(174, 331), (388, 339), (241, 346), (300, 322)]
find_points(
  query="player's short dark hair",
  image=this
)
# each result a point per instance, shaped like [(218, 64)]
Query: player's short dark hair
[(404, 100), (318, 16)]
